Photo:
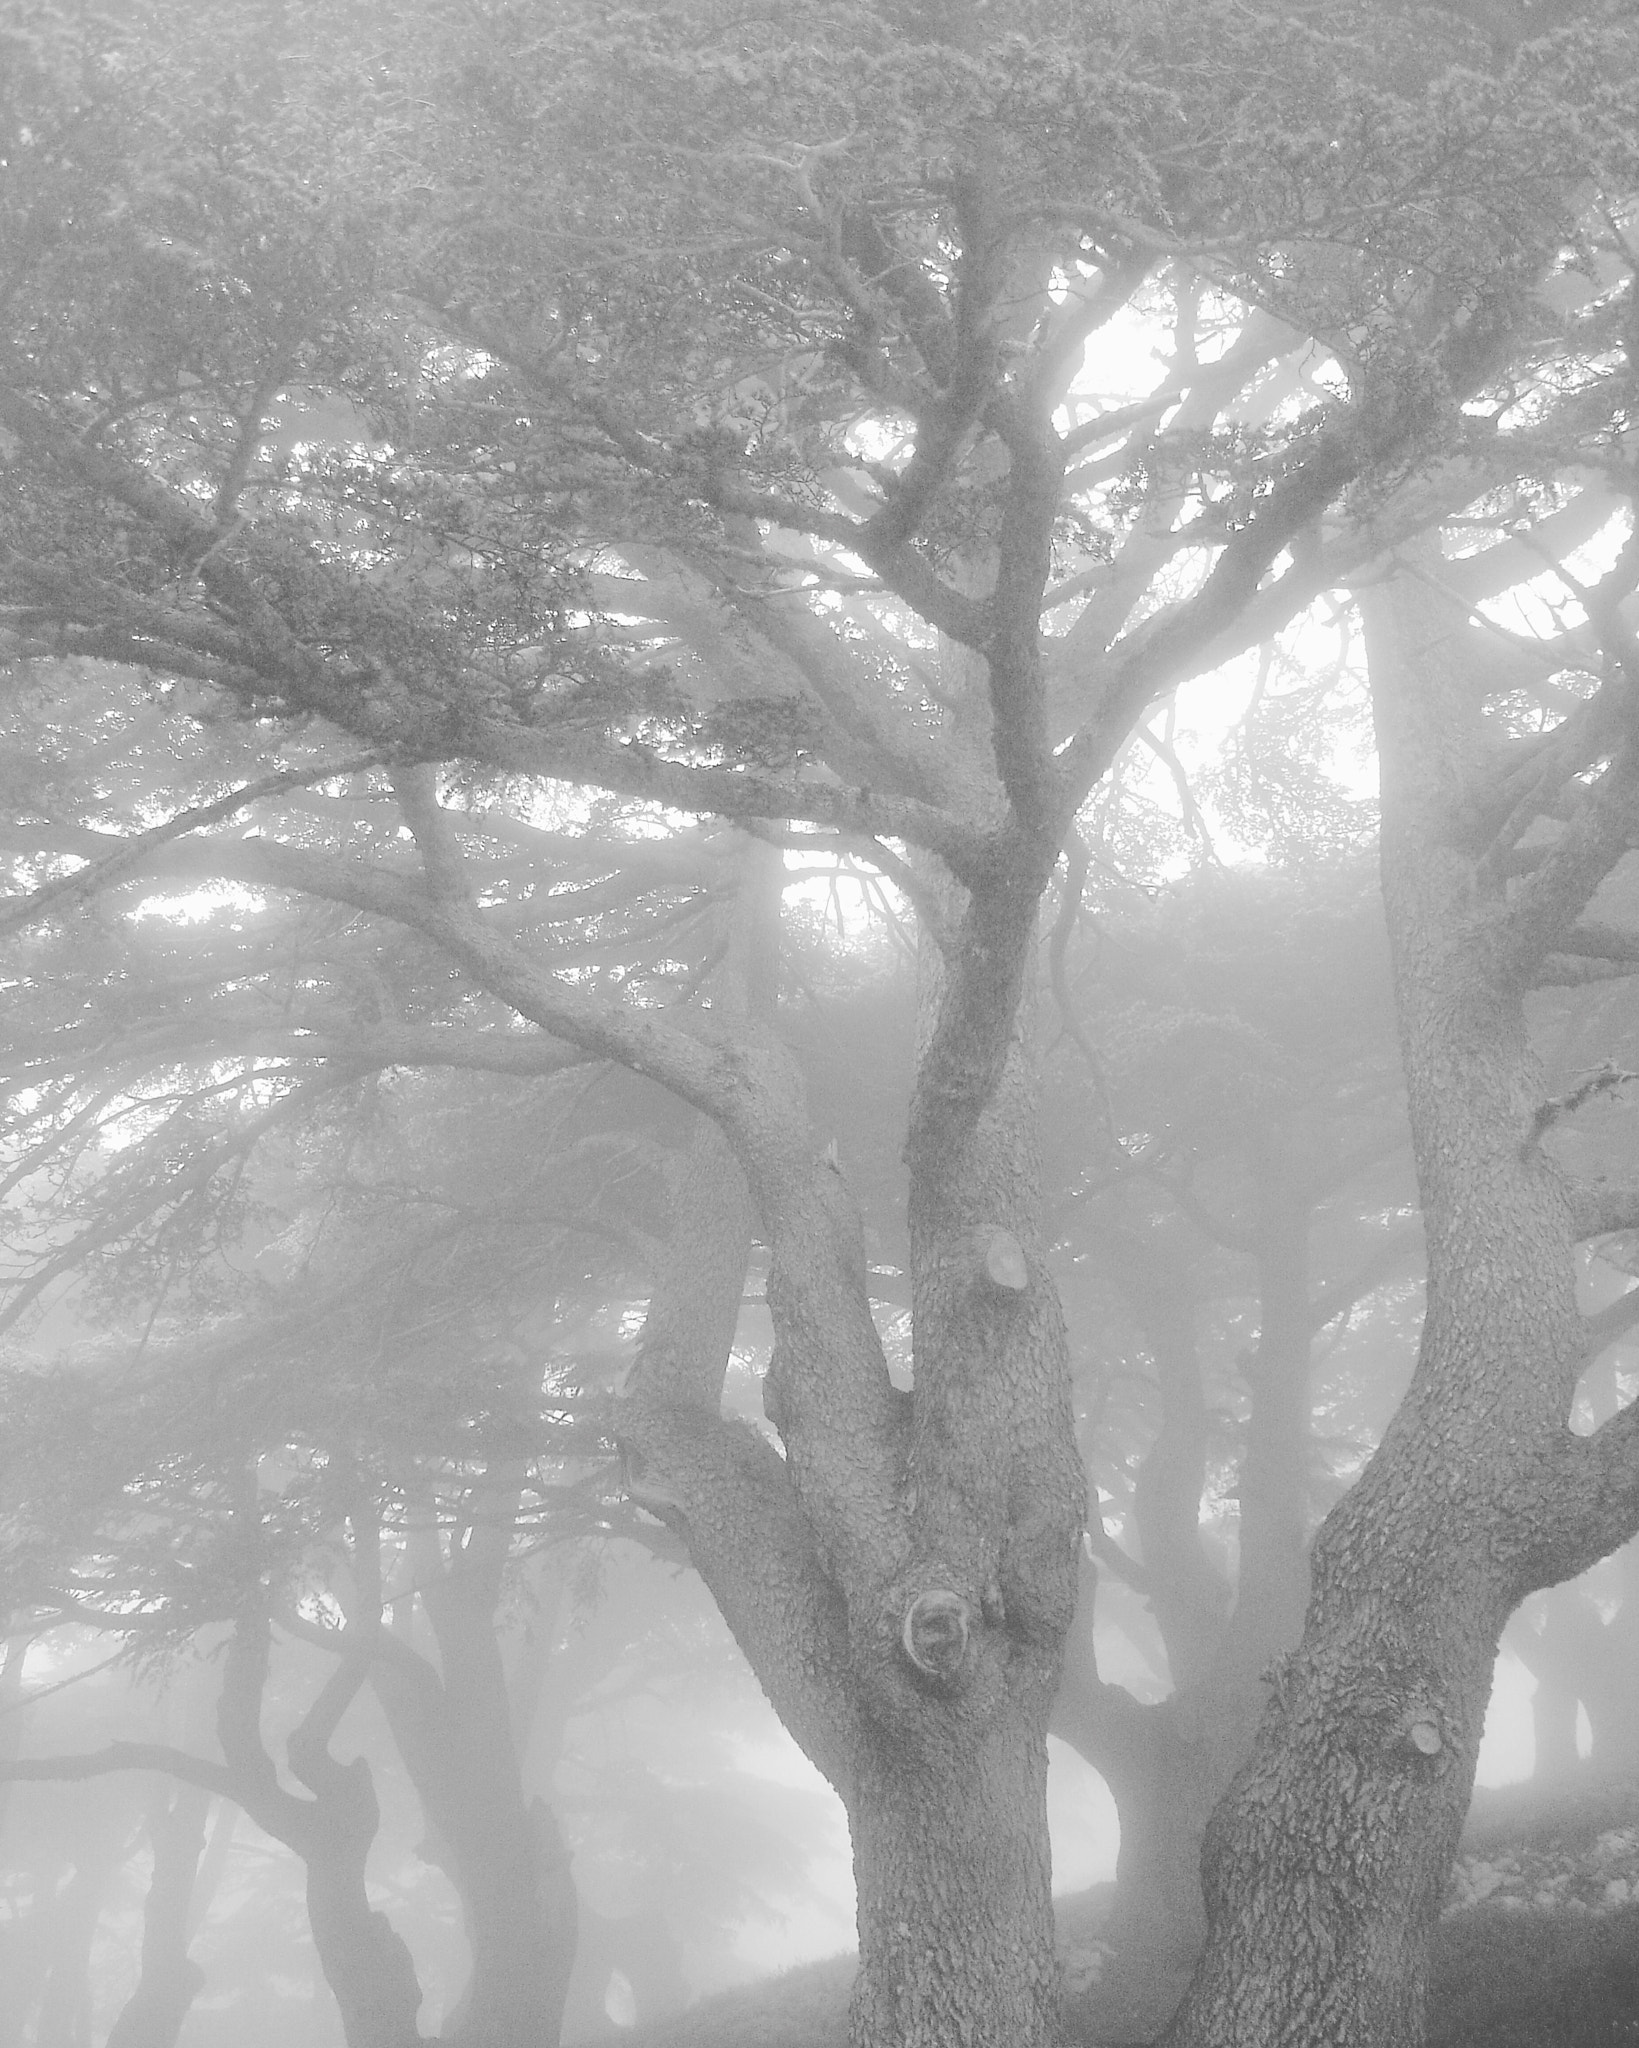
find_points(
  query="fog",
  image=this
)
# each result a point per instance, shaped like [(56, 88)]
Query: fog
[(819, 1098)]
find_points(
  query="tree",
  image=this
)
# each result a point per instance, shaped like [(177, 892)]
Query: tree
[(336, 385), (1486, 883)]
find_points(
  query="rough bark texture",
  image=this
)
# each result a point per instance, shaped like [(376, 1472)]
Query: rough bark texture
[(1324, 1865), (946, 1882)]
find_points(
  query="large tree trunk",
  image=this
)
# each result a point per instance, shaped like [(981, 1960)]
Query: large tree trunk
[(955, 1837), (1325, 1864), (902, 1577)]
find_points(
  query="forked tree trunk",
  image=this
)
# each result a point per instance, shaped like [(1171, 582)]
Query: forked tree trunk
[(901, 1576), (1325, 1865)]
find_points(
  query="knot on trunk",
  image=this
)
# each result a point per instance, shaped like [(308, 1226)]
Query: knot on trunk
[(1003, 1268), (935, 1634), (1420, 1730)]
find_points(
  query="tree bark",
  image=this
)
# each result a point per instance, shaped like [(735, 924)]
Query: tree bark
[(950, 1860)]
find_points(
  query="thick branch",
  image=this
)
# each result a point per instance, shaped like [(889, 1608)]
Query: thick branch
[(126, 1756), (885, 755), (384, 710), (1546, 903), (750, 1534), (272, 649), (1601, 1492), (703, 1062), (697, 1062), (986, 959), (1594, 941), (383, 1645)]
